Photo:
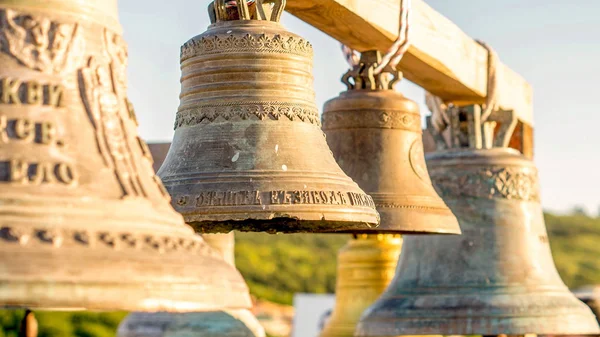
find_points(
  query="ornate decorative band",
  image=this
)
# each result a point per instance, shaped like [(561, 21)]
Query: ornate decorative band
[(249, 110), (262, 43), (58, 238), (489, 182), (371, 119)]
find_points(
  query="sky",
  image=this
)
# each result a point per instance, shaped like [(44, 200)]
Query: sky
[(554, 45)]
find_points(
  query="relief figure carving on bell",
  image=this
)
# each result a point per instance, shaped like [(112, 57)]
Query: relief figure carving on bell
[(104, 108), (40, 43), (417, 160), (117, 51)]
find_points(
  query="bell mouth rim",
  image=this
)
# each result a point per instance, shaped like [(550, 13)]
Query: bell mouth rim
[(286, 225)]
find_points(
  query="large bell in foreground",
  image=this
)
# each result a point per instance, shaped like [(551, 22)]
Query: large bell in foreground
[(84, 222), (248, 153), (374, 133), (222, 323), (498, 277), (366, 265)]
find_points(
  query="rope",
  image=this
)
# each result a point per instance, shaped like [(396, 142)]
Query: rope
[(395, 53), (352, 57), (491, 100), (439, 116)]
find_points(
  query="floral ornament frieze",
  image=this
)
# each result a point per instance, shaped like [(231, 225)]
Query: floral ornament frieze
[(372, 119), (248, 111), (248, 42), (514, 183), (57, 238)]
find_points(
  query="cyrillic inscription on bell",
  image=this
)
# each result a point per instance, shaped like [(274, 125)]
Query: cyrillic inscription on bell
[(498, 277), (375, 135), (248, 153), (84, 222)]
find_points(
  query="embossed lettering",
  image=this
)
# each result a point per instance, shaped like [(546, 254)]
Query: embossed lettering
[(3, 130), (17, 92), (66, 174), (55, 94), (18, 171), (35, 93), (358, 199), (257, 198), (25, 129), (343, 198), (42, 174), (10, 91), (47, 132), (213, 198), (316, 197), (23, 172)]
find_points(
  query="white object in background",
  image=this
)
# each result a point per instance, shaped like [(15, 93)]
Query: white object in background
[(311, 313)]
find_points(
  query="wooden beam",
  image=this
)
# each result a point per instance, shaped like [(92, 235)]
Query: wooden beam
[(442, 58)]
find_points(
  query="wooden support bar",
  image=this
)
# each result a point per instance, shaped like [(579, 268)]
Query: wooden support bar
[(442, 58)]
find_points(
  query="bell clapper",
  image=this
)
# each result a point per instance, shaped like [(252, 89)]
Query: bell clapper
[(29, 325)]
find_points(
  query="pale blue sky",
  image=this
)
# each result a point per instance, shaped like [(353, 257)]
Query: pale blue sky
[(554, 44)]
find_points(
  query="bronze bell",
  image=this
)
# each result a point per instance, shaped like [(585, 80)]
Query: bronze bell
[(366, 265), (222, 323), (248, 153), (498, 277), (375, 135), (85, 223), (590, 295)]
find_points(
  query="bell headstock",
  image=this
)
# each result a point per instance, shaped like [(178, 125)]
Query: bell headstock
[(230, 10)]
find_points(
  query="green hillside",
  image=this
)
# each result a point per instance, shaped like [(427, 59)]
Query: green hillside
[(277, 266), (575, 243)]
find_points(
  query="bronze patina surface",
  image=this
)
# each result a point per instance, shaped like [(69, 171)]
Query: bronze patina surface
[(248, 152), (84, 222), (366, 265), (223, 323), (498, 277), (590, 295), (374, 133)]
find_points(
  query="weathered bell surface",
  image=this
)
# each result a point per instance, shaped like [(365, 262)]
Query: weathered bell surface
[(225, 323), (248, 153), (84, 222), (590, 295), (374, 133), (498, 277), (224, 244), (222, 323), (366, 265)]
